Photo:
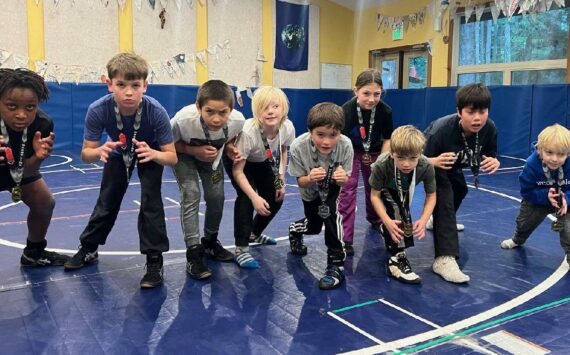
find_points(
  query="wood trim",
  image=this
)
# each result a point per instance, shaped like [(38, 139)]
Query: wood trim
[(450, 51)]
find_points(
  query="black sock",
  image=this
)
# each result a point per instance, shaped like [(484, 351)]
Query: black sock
[(35, 245)]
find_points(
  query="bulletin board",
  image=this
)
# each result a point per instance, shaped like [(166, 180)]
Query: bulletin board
[(336, 76)]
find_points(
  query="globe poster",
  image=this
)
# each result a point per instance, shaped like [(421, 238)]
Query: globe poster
[(291, 37)]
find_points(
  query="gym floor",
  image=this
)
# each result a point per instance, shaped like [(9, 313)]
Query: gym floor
[(516, 302)]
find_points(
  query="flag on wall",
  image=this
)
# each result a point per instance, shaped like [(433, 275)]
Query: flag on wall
[(291, 37)]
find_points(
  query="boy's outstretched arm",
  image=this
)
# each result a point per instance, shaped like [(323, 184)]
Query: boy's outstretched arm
[(92, 151), (165, 156), (42, 149)]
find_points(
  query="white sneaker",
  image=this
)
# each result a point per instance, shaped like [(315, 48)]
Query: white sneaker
[(509, 244), (446, 267), (429, 225), (399, 268)]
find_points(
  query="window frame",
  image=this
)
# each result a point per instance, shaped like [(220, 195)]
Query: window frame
[(401, 52), (505, 68)]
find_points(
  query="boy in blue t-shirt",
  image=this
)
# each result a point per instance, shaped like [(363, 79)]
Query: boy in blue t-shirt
[(545, 188), (139, 134)]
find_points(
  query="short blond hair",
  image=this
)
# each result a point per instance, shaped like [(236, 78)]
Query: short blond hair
[(129, 65), (262, 98), (555, 136), (407, 141)]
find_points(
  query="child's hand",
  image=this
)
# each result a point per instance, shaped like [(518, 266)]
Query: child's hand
[(393, 227), (106, 149), (490, 164), (144, 152), (444, 161), (206, 153), (280, 194), (420, 229), (43, 146), (261, 206), (2, 148), (317, 174), (233, 153), (553, 198), (339, 175)]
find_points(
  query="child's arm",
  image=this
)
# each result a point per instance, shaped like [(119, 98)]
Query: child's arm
[(92, 152), (339, 176), (553, 197), (165, 156), (42, 150), (261, 206), (420, 224), (232, 151), (205, 153), (490, 164), (393, 226), (444, 161)]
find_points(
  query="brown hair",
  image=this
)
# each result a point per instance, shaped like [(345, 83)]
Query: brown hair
[(325, 114), (129, 65)]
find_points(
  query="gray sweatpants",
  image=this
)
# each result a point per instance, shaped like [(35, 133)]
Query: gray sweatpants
[(531, 216)]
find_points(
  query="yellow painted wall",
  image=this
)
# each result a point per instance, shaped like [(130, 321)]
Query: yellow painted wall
[(367, 38), (336, 40)]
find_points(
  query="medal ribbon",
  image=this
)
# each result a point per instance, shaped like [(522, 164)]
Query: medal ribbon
[(209, 140), (275, 161), (405, 196), (362, 130), (129, 154), (558, 183), (324, 184), (475, 159), (17, 172)]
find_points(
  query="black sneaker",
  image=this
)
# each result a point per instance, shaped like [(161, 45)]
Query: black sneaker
[(297, 246), (348, 249), (216, 251), (400, 269), (196, 267), (154, 271), (42, 257), (333, 277), (81, 258)]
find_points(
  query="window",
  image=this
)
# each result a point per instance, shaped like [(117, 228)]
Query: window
[(403, 67), (516, 51)]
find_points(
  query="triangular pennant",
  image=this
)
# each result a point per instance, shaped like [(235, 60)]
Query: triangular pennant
[(37, 2), (152, 3), (560, 3), (157, 68), (138, 4), (180, 59), (90, 3), (202, 58), (121, 3), (74, 72), (379, 19), (56, 2), (421, 17), (105, 2), (178, 4), (468, 12), (513, 4), (249, 93), (20, 61), (202, 2), (168, 66), (192, 62), (213, 52), (41, 67), (239, 98), (164, 3), (190, 3), (479, 12), (55, 72), (4, 55), (495, 12)]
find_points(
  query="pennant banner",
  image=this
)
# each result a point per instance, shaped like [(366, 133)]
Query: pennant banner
[(292, 37)]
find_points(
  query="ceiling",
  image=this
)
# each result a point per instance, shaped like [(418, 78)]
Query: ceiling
[(363, 4)]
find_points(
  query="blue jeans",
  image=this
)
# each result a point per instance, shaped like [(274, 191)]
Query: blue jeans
[(189, 171)]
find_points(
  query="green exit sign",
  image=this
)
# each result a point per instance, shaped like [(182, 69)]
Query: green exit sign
[(397, 34)]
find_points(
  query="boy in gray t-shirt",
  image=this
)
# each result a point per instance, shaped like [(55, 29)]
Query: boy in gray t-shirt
[(318, 161), (393, 180)]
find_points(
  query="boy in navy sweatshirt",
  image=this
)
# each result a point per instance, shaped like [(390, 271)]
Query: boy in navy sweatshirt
[(545, 188)]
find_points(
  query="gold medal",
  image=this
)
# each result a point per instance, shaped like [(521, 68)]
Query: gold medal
[(408, 229), (278, 183), (557, 225), (216, 176), (17, 194), (366, 159)]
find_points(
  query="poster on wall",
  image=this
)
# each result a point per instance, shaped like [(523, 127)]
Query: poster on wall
[(291, 37)]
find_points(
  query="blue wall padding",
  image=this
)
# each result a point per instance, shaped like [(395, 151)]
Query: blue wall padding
[(520, 112)]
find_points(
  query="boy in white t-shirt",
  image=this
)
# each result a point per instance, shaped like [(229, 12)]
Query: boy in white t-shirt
[(259, 179), (202, 131)]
